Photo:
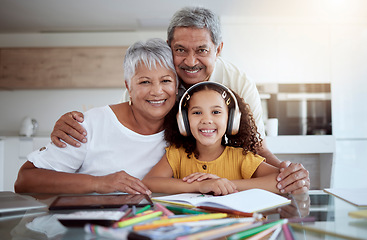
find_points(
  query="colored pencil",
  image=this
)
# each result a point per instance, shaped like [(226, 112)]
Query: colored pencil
[(174, 203), (171, 221), (223, 210), (276, 233), (220, 232), (264, 233), (287, 233), (184, 210), (138, 219), (162, 208), (143, 209), (253, 231), (217, 222)]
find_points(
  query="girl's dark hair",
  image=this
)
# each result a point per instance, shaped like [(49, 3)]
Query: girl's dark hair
[(247, 137)]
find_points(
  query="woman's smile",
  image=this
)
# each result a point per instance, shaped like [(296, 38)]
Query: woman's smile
[(157, 102)]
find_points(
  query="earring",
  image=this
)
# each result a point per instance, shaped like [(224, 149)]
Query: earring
[(130, 103)]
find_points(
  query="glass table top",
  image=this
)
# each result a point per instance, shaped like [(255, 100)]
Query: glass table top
[(330, 214)]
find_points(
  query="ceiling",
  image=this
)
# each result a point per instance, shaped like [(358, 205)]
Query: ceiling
[(132, 15)]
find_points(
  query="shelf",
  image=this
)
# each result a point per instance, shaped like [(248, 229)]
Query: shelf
[(301, 144)]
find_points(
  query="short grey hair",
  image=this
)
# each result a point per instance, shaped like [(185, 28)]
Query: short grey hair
[(196, 17), (149, 53)]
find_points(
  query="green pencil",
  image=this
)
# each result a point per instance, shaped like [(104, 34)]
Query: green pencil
[(253, 231), (143, 209), (184, 210)]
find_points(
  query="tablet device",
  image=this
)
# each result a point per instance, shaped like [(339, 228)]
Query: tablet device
[(100, 201)]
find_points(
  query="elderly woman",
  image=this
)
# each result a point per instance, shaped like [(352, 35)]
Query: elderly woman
[(124, 140)]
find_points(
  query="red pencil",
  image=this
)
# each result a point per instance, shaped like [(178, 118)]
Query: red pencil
[(230, 211), (127, 213)]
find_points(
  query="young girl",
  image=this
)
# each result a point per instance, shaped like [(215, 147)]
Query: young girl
[(213, 146)]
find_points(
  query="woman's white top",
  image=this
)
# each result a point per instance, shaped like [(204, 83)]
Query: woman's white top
[(110, 147)]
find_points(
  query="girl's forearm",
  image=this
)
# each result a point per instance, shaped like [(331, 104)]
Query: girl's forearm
[(267, 183), (170, 185)]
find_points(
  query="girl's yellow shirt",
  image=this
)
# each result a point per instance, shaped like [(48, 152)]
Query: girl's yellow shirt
[(231, 164)]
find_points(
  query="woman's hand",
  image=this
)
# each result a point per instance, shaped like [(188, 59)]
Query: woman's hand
[(218, 186), (68, 129), (120, 182), (198, 176)]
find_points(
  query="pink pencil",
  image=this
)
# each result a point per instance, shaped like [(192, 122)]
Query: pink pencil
[(287, 233), (165, 211)]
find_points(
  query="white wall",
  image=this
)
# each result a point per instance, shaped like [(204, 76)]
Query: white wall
[(46, 106)]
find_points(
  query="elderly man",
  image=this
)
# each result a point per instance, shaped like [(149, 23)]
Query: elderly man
[(194, 35)]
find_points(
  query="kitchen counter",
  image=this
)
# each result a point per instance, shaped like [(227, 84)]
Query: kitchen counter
[(295, 144), (316, 153), (301, 144)]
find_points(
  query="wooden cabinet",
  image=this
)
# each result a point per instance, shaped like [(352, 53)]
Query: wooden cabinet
[(55, 68)]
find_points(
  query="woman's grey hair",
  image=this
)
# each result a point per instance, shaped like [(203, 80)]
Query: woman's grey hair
[(196, 17), (149, 53)]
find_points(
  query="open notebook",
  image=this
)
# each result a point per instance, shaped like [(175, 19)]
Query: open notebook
[(253, 200), (12, 204)]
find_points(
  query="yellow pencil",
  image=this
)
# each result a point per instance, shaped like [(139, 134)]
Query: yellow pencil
[(171, 221), (138, 219), (174, 203), (220, 231)]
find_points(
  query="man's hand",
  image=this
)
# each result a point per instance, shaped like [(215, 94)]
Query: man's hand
[(219, 186), (67, 128), (120, 182), (299, 207), (198, 176), (293, 178)]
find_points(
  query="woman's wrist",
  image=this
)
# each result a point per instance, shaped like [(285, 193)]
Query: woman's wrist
[(95, 182)]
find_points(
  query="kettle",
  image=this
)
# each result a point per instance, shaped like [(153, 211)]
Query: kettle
[(29, 127)]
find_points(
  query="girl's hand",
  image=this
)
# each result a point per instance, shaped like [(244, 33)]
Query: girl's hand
[(198, 176), (218, 186)]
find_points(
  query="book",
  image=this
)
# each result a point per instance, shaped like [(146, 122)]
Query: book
[(253, 200), (355, 196)]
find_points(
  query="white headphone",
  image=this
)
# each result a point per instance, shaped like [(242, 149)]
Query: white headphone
[(234, 116)]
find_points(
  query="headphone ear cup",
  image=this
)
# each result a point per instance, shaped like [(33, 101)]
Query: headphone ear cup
[(230, 122), (183, 123), (234, 119)]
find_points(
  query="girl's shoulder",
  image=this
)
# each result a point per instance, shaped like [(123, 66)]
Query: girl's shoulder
[(172, 149), (240, 152)]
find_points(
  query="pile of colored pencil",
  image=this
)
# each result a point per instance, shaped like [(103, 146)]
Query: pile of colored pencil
[(161, 223)]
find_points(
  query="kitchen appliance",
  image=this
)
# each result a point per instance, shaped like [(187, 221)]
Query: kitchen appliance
[(301, 109), (29, 127)]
